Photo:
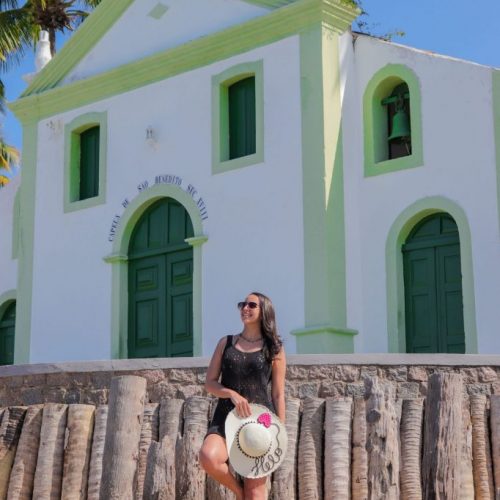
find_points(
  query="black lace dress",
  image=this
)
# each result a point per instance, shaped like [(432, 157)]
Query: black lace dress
[(247, 373)]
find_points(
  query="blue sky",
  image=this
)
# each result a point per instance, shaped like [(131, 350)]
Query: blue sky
[(447, 27)]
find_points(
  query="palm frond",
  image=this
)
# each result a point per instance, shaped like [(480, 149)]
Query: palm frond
[(4, 180), (9, 156), (16, 32), (8, 4)]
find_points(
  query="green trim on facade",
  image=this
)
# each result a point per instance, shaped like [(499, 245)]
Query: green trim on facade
[(72, 133), (397, 235), (276, 25), (496, 120), (323, 195), (118, 259), (375, 121), (16, 224), (220, 116), (324, 339), (26, 240)]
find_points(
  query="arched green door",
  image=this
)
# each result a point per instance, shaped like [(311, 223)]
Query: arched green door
[(433, 287), (161, 283), (7, 334)]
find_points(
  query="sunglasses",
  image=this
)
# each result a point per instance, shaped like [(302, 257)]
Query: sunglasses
[(251, 305)]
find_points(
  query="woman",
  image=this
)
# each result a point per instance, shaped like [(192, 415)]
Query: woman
[(248, 362)]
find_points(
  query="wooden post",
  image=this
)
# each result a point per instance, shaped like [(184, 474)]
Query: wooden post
[(10, 430), (171, 418), (359, 455), (382, 440), (285, 478), (411, 448), (481, 454), (466, 476), (159, 482), (495, 440), (338, 449), (310, 457), (95, 466), (149, 433), (123, 432), (441, 463), (49, 466), (77, 451), (23, 470), (190, 477)]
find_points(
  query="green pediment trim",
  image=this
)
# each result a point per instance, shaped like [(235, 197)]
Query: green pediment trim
[(281, 23), (77, 47)]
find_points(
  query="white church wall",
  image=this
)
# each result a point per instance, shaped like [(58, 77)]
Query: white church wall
[(459, 164), (8, 265), (202, 17), (254, 225)]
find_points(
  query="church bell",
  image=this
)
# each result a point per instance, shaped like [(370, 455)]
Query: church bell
[(400, 125)]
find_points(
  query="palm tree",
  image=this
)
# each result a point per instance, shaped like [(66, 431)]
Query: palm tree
[(9, 155), (20, 25)]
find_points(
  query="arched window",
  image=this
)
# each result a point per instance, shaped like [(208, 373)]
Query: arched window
[(7, 333), (392, 121), (399, 123)]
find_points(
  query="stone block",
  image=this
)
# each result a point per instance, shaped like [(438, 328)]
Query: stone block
[(486, 374), (101, 380), (417, 374), (59, 379), (94, 397), (54, 394), (35, 380), (368, 371), (308, 390), (30, 396), (397, 373), (356, 390), (408, 390), (295, 372), (186, 391), (12, 382), (346, 373), (182, 376), (470, 375), (153, 376), (331, 389), (478, 389), (162, 390), (72, 396)]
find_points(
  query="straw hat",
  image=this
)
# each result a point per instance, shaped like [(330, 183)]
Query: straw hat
[(256, 445)]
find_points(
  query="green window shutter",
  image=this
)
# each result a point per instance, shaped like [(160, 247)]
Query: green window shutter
[(89, 163), (242, 129)]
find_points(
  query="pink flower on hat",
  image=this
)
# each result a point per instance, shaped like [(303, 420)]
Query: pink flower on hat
[(265, 420)]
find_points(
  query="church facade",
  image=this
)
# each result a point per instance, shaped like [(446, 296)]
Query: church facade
[(179, 155)]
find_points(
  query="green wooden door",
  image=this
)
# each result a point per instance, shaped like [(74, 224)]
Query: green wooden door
[(7, 334), (433, 287), (161, 283)]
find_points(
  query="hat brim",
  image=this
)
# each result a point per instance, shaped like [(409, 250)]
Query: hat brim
[(252, 467)]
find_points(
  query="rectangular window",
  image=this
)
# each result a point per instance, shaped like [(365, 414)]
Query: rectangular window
[(242, 129), (89, 163)]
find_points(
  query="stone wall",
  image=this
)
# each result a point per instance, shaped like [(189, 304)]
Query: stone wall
[(307, 376), (360, 427)]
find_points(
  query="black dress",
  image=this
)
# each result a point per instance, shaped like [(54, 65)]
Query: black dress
[(247, 373)]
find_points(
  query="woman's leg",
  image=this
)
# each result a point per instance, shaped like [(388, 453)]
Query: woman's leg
[(255, 489), (213, 458)]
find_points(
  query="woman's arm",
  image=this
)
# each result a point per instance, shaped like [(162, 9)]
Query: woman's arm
[(213, 386), (278, 384)]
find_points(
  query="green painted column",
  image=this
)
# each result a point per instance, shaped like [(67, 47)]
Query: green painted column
[(323, 196), (26, 241)]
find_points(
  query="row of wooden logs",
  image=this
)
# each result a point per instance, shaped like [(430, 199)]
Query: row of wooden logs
[(378, 447)]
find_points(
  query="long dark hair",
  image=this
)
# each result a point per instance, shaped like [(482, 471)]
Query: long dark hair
[(272, 340)]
